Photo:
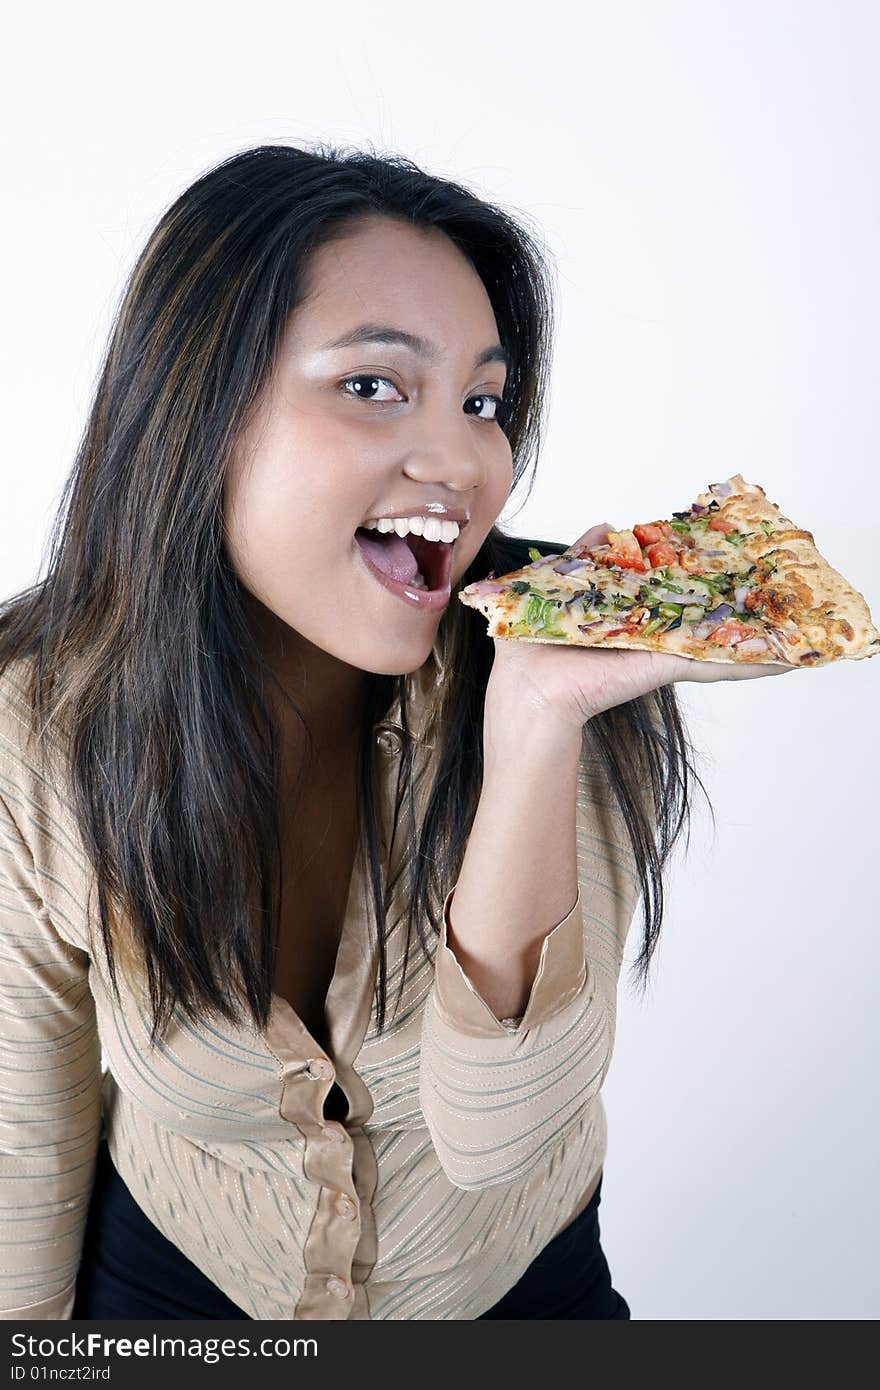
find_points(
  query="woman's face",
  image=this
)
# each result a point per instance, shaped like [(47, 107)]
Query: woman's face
[(323, 455)]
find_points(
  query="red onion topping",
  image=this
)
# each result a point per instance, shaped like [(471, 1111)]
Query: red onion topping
[(571, 566)]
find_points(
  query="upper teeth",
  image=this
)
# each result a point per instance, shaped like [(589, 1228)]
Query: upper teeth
[(431, 528)]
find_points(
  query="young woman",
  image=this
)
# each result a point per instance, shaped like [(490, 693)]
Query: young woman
[(255, 774)]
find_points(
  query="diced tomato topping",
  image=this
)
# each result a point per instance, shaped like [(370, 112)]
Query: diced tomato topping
[(728, 633), (629, 562), (651, 533), (690, 561), (625, 551), (628, 628), (661, 553), (719, 524)]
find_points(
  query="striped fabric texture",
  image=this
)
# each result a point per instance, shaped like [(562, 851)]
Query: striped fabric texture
[(468, 1143)]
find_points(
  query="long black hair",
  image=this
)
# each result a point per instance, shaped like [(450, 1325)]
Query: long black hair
[(136, 639)]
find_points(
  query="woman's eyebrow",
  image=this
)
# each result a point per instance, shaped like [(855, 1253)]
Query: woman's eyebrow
[(384, 333)]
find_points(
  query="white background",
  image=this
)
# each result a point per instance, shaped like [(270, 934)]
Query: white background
[(706, 177)]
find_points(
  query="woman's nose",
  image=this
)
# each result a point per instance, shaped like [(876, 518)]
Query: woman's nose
[(450, 451)]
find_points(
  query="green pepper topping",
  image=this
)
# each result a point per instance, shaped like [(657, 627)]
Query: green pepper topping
[(539, 616)]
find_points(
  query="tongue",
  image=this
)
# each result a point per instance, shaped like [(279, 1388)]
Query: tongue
[(389, 553)]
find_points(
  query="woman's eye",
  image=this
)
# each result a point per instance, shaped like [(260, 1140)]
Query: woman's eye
[(359, 392), (499, 415), (362, 384)]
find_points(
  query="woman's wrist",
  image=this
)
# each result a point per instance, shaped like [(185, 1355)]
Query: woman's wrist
[(516, 727)]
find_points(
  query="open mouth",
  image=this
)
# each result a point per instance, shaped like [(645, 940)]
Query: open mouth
[(409, 559), (434, 559)]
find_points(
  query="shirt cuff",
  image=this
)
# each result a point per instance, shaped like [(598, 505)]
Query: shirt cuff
[(561, 975), (55, 1309)]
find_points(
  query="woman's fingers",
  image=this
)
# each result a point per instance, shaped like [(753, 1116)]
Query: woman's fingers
[(730, 670), (597, 535)]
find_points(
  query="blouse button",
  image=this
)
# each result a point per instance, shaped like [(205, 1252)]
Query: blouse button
[(389, 741), (338, 1287), (346, 1207), (319, 1069)]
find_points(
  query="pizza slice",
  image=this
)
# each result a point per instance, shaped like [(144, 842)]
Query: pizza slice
[(730, 579)]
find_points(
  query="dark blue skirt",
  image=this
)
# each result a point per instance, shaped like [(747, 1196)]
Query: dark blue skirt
[(130, 1270)]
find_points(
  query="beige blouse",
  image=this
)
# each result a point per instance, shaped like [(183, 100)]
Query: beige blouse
[(468, 1144)]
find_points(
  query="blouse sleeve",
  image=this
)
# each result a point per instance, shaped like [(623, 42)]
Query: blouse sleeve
[(499, 1094), (50, 1080)]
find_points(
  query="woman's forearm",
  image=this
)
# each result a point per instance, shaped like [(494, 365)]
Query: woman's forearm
[(519, 874)]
